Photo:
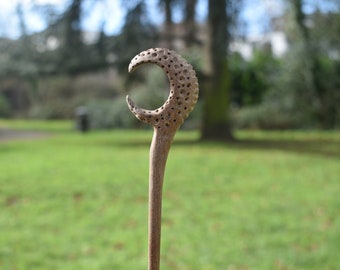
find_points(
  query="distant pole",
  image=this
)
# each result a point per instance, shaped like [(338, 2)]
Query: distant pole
[(165, 121), (82, 119)]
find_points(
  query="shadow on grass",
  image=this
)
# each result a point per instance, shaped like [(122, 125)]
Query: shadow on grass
[(319, 143), (326, 148), (313, 146)]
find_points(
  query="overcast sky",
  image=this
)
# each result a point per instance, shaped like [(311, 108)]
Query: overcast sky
[(110, 11), (255, 13)]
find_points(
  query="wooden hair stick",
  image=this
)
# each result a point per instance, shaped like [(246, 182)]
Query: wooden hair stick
[(165, 121)]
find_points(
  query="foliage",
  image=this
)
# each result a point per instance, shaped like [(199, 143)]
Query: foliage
[(311, 49), (17, 60), (301, 90), (58, 96), (251, 79), (268, 202), (16, 96), (76, 55), (4, 107), (287, 102), (313, 109), (108, 114), (115, 113), (138, 34), (268, 116)]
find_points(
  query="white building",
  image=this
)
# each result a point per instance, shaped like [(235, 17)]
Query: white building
[(276, 40)]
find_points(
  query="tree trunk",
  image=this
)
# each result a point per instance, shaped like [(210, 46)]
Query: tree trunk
[(168, 24), (190, 23), (216, 120), (72, 50), (315, 94)]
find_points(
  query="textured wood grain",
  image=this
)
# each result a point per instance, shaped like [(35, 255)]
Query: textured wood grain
[(165, 120)]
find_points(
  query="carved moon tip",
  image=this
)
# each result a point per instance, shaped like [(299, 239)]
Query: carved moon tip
[(129, 102), (183, 88)]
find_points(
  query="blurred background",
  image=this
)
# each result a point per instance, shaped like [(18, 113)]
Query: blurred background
[(268, 200), (279, 60)]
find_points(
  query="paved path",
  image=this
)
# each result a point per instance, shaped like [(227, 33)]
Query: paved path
[(10, 135)]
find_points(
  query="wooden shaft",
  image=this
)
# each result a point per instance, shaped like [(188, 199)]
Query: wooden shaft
[(165, 120), (159, 151)]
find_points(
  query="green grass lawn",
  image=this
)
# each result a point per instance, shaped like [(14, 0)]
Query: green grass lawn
[(73, 201)]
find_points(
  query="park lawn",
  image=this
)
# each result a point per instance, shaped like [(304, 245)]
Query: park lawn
[(73, 201)]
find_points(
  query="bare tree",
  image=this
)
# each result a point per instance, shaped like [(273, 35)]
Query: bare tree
[(216, 119), (167, 6), (314, 92), (190, 22)]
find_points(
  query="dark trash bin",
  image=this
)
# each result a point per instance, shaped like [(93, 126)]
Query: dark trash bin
[(82, 119)]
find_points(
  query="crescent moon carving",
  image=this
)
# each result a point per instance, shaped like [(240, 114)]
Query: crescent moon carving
[(183, 89)]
